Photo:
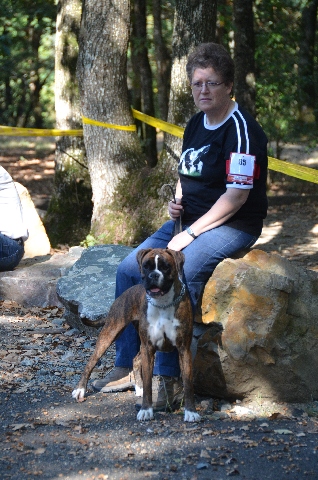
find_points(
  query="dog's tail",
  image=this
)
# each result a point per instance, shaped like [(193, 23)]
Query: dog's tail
[(94, 323)]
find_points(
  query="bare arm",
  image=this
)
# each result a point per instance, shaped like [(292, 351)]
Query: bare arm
[(225, 207)]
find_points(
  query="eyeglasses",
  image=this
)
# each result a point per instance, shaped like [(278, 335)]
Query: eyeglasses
[(210, 85)]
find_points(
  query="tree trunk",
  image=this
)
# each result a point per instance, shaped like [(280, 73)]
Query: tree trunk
[(306, 81), (244, 51), (113, 154), (163, 61), (194, 23), (142, 71), (70, 209)]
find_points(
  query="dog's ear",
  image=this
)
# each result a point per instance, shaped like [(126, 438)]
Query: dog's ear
[(179, 259), (140, 255)]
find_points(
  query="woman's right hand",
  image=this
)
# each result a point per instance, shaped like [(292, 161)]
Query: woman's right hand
[(175, 209)]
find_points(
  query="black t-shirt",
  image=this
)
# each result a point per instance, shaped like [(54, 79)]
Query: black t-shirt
[(203, 174)]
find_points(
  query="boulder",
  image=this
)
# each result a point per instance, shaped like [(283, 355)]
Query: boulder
[(88, 289), (259, 322), (261, 329), (33, 282), (38, 243)]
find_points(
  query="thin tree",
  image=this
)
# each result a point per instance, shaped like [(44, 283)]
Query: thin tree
[(306, 65), (70, 209), (163, 61), (143, 74), (244, 52)]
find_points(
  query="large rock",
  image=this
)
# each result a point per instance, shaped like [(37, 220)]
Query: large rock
[(263, 340), (88, 289), (33, 282), (38, 243), (259, 330)]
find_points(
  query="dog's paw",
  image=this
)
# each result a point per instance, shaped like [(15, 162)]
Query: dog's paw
[(191, 416), (79, 394), (145, 414)]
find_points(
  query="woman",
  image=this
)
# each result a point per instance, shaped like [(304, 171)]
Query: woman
[(221, 193)]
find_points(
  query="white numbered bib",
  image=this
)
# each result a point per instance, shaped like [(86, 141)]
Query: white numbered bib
[(240, 169)]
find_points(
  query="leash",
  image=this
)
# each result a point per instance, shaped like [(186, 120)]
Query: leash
[(177, 222), (173, 303)]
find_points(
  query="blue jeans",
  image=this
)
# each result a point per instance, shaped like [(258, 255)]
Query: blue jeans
[(11, 253), (201, 258)]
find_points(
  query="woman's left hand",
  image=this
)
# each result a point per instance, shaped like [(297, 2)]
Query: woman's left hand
[(180, 241)]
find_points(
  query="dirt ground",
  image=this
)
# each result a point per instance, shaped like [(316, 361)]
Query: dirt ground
[(45, 434)]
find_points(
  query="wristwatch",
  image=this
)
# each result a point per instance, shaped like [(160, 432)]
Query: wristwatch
[(190, 232)]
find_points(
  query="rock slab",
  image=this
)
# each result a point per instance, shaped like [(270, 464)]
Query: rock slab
[(33, 282), (88, 289)]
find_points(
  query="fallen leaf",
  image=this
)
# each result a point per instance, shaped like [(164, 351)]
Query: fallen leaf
[(233, 472), (202, 466), (20, 426), (245, 428), (204, 454), (283, 431), (39, 451), (79, 440)]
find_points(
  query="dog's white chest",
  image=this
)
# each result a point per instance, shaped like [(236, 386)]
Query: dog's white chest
[(162, 325)]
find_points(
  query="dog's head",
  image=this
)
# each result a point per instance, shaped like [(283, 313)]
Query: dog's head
[(160, 268)]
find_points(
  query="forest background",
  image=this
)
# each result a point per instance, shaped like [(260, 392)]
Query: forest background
[(62, 60)]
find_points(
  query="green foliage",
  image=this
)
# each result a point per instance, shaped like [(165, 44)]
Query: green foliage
[(89, 241), (277, 37), (27, 62), (69, 215)]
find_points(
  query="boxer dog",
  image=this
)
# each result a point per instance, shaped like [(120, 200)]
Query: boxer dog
[(161, 311)]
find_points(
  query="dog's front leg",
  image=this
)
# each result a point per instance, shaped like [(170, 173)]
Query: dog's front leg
[(185, 359), (147, 361)]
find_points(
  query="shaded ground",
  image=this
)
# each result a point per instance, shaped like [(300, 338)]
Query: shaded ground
[(31, 163), (45, 434)]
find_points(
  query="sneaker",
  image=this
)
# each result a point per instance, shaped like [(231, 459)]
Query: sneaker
[(118, 379), (167, 394)]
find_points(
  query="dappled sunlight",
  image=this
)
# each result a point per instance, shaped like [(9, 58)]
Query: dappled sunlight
[(269, 233)]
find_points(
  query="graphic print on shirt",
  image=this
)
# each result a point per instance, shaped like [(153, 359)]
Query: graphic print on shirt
[(191, 163)]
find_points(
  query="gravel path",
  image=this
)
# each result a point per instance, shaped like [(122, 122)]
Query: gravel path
[(46, 434)]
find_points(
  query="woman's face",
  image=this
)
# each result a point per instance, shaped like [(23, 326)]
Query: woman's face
[(211, 99)]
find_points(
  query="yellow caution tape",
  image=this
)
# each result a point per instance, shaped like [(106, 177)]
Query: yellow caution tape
[(38, 132), (155, 122), (89, 121), (290, 169), (293, 170)]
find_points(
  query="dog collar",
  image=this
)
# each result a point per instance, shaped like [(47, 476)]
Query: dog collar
[(174, 302)]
